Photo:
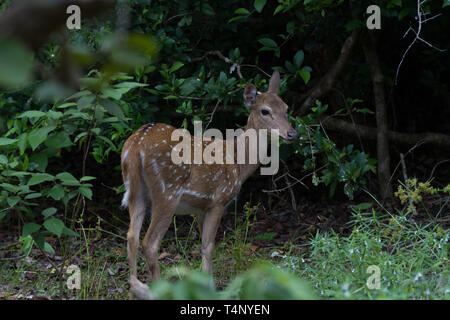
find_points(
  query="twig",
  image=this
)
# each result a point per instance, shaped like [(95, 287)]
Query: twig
[(420, 22), (234, 66), (212, 114), (293, 202), (293, 184), (255, 66), (405, 178), (176, 16), (418, 144), (435, 166)]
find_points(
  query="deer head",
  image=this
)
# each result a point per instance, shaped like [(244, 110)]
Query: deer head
[(267, 110)]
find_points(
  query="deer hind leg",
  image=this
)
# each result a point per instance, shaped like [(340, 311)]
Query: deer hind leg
[(137, 209), (162, 214)]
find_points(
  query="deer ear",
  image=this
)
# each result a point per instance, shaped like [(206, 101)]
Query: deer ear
[(250, 95), (274, 84)]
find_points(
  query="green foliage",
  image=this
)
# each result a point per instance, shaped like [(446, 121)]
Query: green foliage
[(412, 258), (413, 192), (262, 282), (94, 122), (330, 164), (16, 64), (110, 104)]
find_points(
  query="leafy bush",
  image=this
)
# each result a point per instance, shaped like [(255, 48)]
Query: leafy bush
[(335, 165), (91, 120), (260, 282)]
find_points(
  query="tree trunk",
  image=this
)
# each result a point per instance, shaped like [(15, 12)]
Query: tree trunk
[(384, 169)]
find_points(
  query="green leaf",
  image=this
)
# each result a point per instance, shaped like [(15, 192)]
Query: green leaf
[(57, 192), (305, 75), (29, 228), (114, 93), (48, 212), (3, 159), (33, 195), (9, 187), (7, 141), (87, 178), (39, 178), (298, 58), (79, 136), (365, 110), (27, 244), (259, 5), (16, 64), (32, 114), (332, 189), (189, 86), (39, 239), (48, 248), (354, 24), (41, 159), (87, 192), (58, 140), (207, 9), (130, 85), (242, 11), (170, 97), (55, 114), (177, 65), (363, 206), (85, 101), (55, 226), (67, 105), (67, 179), (268, 43), (114, 109), (235, 19), (69, 232), (12, 201), (37, 136), (22, 144), (278, 9), (446, 3)]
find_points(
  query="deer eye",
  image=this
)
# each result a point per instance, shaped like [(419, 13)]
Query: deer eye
[(265, 112)]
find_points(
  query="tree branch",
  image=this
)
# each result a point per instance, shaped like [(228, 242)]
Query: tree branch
[(368, 133), (329, 79)]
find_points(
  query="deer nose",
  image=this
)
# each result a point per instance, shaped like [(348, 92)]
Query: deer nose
[(292, 135)]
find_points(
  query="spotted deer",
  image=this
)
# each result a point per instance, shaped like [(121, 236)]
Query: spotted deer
[(204, 190)]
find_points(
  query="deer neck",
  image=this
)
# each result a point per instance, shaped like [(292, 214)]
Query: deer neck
[(247, 169)]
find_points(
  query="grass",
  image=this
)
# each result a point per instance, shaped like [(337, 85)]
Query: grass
[(410, 254), (412, 259)]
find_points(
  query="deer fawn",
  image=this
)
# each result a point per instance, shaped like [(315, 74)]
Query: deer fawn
[(200, 189)]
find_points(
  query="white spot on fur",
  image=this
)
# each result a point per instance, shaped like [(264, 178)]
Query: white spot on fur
[(156, 170), (126, 195)]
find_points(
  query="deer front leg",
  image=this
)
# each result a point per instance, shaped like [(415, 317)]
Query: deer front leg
[(209, 230)]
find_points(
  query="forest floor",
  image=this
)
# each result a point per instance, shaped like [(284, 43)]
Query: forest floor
[(330, 244)]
